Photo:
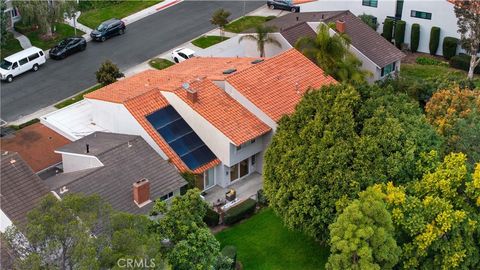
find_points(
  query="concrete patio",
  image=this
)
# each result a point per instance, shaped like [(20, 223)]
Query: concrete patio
[(245, 189)]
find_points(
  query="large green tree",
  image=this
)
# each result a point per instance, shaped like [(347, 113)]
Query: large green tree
[(331, 53), (437, 219), (220, 19), (188, 243), (362, 237), (3, 22), (339, 141), (41, 13)]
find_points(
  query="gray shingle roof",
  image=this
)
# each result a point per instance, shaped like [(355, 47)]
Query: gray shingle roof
[(21, 189), (126, 159), (365, 39), (293, 33)]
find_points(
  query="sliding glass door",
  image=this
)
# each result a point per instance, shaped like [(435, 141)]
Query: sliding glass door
[(239, 170)]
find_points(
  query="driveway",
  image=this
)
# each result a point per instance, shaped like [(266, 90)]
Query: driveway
[(144, 39)]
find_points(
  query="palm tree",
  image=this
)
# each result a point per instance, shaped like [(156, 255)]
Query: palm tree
[(331, 53), (262, 38)]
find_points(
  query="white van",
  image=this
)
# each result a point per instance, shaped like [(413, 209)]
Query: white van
[(18, 63)]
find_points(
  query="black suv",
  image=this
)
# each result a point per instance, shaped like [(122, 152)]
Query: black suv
[(282, 4), (108, 29)]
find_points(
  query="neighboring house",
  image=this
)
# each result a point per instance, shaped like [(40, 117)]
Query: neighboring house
[(12, 13), (122, 169), (210, 116), (378, 55), (21, 190), (438, 13), (36, 144)]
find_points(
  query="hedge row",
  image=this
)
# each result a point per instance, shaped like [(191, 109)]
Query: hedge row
[(400, 33), (239, 211), (211, 218), (230, 252), (462, 61), (388, 29), (415, 37), (434, 40), (450, 47)]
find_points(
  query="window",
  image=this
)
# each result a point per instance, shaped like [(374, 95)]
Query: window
[(421, 15), (239, 147), (23, 61), (166, 196), (370, 3), (388, 69), (33, 56), (254, 159), (41, 53), (14, 12), (252, 141), (15, 65)]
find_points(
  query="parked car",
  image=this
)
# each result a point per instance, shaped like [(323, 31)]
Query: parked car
[(182, 54), (20, 62), (283, 4), (67, 47), (108, 29)]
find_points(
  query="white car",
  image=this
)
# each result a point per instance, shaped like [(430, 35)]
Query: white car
[(182, 54), (23, 61)]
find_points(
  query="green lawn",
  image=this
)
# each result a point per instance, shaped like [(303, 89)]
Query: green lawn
[(207, 41), (160, 63), (78, 97), (11, 46), (62, 31), (264, 243), (245, 23), (92, 18), (420, 72)]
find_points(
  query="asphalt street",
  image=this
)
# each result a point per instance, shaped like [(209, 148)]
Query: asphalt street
[(143, 40)]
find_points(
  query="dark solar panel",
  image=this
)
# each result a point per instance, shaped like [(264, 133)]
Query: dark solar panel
[(181, 138)]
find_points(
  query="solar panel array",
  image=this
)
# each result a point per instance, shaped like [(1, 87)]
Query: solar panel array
[(181, 137)]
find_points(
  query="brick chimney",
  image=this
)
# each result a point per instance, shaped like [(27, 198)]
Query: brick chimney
[(340, 25), (192, 95), (141, 192)]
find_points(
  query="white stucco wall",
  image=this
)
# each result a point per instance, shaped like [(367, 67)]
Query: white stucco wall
[(245, 48), (117, 119), (443, 16), (4, 221), (77, 162), (246, 151)]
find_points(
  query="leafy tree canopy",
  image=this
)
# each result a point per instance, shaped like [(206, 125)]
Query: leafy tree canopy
[(108, 73), (455, 113), (362, 236), (339, 141), (190, 244), (437, 218)]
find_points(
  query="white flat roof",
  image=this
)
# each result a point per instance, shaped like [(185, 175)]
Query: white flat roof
[(74, 121)]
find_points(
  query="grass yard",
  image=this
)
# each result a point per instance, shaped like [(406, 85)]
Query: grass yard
[(77, 98), (11, 46), (160, 63), (245, 23), (420, 72), (207, 41), (264, 243), (62, 31), (92, 18)]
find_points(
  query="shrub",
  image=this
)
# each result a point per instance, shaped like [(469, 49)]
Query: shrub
[(261, 199), (449, 47), (462, 61), (434, 40), (369, 20), (415, 37), (108, 73), (239, 212), (430, 61), (230, 252), (400, 33), (211, 218), (388, 29)]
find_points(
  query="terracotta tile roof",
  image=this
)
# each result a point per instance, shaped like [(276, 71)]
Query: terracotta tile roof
[(224, 112), (36, 145), (276, 85), (150, 102)]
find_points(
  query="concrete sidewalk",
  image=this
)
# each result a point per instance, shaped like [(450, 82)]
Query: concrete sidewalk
[(149, 11), (24, 41)]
